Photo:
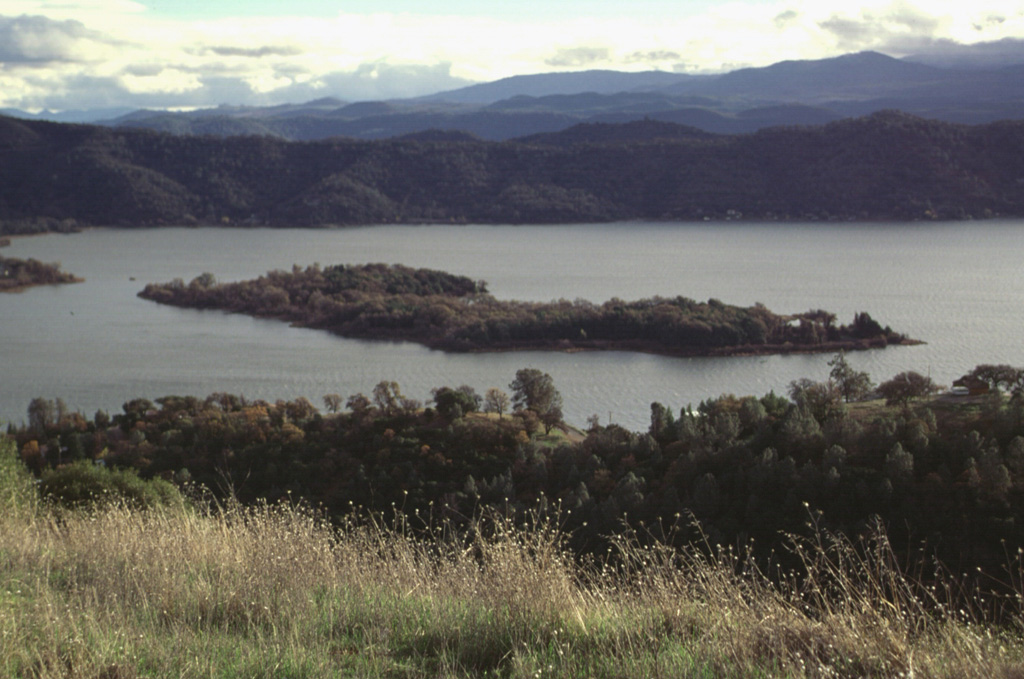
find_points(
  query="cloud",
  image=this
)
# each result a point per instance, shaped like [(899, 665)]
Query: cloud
[(1005, 52), (184, 87), (987, 22), (576, 57), (253, 52), (144, 70), (850, 33), (786, 18), (894, 28), (105, 6), (37, 41), (653, 56), (382, 80), (914, 20)]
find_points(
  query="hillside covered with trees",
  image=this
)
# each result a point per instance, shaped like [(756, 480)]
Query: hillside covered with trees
[(886, 166), (944, 474), (455, 313)]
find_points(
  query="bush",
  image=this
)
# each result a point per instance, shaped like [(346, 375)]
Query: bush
[(87, 484)]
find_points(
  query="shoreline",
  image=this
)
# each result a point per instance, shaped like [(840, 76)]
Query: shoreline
[(637, 347), (717, 352), (762, 220), (28, 286)]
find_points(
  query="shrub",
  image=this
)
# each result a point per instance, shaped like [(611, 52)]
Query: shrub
[(86, 484)]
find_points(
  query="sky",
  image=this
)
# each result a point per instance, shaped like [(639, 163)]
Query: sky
[(86, 54)]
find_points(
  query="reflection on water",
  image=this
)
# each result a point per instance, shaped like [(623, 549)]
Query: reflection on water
[(955, 285)]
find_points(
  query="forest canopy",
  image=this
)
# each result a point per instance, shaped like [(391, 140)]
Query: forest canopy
[(455, 313)]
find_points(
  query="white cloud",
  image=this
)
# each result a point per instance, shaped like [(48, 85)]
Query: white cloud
[(165, 81), (36, 40)]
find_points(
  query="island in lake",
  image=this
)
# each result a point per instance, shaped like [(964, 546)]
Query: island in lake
[(455, 313), (18, 274)]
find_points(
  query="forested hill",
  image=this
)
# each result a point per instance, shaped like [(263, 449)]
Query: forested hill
[(886, 166)]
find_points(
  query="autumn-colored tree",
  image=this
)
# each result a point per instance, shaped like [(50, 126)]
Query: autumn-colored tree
[(496, 401)]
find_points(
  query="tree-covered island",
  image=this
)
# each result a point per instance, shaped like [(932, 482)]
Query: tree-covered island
[(454, 313), (18, 274)]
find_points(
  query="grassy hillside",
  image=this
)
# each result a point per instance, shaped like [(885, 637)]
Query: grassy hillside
[(276, 592)]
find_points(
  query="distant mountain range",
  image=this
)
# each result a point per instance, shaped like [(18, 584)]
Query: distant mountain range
[(887, 166), (971, 84)]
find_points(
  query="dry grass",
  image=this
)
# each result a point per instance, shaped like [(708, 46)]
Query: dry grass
[(276, 592)]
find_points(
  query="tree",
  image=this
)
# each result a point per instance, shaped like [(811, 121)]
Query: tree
[(905, 387), (454, 403), (42, 413), (332, 402), (865, 327), (752, 412), (899, 464), (496, 401), (821, 399), (409, 406), (551, 416), (662, 422), (774, 405), (298, 410), (203, 280), (470, 393), (1000, 376), (852, 384), (387, 396), (359, 405), (535, 391)]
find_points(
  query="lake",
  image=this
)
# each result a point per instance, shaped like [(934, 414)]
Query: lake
[(957, 286)]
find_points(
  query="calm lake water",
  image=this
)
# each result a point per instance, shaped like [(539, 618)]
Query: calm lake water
[(958, 286)]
